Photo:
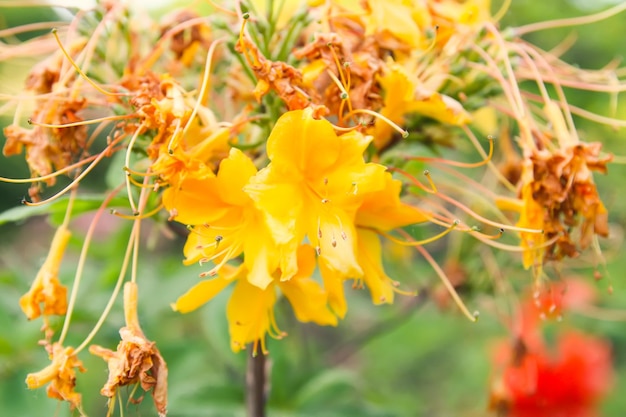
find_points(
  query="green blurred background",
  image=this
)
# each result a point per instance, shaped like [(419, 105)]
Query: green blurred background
[(408, 359)]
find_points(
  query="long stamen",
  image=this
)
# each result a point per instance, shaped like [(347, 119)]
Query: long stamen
[(573, 21), (115, 293), (205, 82), (457, 163), (77, 179), (82, 122), (80, 71), (418, 242), (393, 125), (502, 10), (446, 282), (494, 170), (139, 216), (127, 164), (81, 262)]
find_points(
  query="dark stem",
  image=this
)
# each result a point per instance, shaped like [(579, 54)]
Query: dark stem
[(256, 383)]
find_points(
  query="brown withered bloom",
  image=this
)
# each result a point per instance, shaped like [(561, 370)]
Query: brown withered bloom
[(280, 77), (49, 149), (563, 185), (60, 374), (47, 290), (328, 50), (136, 359)]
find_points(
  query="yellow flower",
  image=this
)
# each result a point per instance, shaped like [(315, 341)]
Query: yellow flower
[(226, 221), (191, 159), (394, 23), (313, 187), (403, 96), (381, 210), (250, 310)]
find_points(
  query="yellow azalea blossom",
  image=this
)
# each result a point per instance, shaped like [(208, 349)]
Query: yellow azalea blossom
[(458, 20), (226, 221), (187, 159), (250, 310), (47, 289), (313, 187), (60, 375), (403, 96), (399, 24), (381, 210)]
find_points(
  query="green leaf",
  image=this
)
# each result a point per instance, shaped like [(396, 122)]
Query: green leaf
[(56, 209)]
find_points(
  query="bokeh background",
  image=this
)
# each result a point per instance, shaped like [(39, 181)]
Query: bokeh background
[(418, 357)]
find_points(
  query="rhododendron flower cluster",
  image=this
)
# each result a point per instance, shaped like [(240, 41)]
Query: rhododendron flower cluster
[(298, 142)]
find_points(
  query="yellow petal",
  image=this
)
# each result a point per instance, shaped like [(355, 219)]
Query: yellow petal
[(302, 146), (203, 292), (194, 201), (333, 283), (308, 299), (250, 313), (370, 257), (234, 173), (383, 209)]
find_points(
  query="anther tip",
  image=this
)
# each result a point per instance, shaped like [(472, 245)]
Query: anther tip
[(246, 16), (405, 134), (54, 31), (23, 201), (29, 121), (426, 172)]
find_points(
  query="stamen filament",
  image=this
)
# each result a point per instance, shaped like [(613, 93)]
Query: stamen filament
[(394, 126), (83, 122), (81, 262), (79, 178), (457, 163), (417, 242), (80, 71)]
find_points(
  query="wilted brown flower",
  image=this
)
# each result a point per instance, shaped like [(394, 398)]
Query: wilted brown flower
[(136, 358), (60, 374)]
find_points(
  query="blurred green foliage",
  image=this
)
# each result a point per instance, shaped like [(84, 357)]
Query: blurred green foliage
[(408, 359)]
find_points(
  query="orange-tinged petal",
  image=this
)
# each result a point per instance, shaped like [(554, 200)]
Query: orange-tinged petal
[(204, 291)]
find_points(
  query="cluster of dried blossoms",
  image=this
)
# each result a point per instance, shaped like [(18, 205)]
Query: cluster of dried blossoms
[(273, 133)]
